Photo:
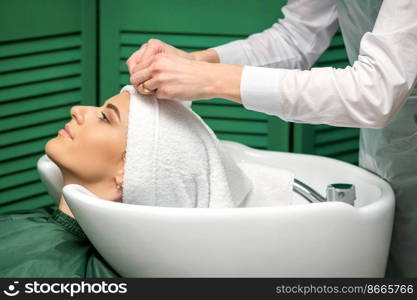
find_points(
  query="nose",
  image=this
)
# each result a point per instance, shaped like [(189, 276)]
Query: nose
[(77, 114)]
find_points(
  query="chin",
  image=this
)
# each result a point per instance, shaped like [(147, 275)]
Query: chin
[(54, 150)]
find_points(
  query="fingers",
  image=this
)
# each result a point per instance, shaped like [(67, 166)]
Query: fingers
[(157, 64), (142, 58), (141, 76), (142, 90), (154, 47), (149, 87), (136, 69), (136, 57), (152, 84)]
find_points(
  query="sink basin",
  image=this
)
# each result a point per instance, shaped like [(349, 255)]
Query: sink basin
[(293, 238)]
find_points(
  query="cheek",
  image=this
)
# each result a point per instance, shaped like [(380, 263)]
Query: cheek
[(102, 150), (105, 146), (93, 155)]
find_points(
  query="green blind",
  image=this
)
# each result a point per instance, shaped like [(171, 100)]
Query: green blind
[(337, 142), (46, 66)]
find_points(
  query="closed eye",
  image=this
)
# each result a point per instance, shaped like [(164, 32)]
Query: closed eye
[(104, 118)]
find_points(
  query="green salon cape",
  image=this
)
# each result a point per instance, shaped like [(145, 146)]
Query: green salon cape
[(47, 243)]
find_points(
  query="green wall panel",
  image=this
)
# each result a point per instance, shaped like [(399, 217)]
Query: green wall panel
[(201, 17), (47, 65)]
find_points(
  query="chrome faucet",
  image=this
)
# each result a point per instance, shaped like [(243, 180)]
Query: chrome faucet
[(343, 192)]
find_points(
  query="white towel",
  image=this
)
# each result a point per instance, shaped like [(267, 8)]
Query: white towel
[(271, 186), (174, 159)]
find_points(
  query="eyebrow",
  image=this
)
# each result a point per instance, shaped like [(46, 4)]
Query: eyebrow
[(114, 107)]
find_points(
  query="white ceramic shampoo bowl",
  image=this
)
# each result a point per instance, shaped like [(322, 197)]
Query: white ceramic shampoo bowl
[(329, 239)]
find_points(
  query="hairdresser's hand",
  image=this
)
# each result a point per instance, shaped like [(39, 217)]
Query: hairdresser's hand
[(173, 77), (142, 57)]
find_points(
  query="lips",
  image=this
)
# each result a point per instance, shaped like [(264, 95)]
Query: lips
[(67, 130)]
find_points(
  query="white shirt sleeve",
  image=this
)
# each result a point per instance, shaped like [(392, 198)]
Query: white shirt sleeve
[(293, 42), (367, 94)]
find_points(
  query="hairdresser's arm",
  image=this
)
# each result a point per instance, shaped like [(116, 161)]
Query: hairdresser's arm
[(209, 55), (367, 94), (294, 42)]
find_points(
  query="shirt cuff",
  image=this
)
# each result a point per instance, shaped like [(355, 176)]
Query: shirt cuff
[(232, 53), (259, 89)]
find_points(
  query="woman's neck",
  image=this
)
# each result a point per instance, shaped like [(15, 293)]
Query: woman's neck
[(63, 206)]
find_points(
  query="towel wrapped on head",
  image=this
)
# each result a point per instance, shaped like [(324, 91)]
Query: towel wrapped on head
[(174, 159)]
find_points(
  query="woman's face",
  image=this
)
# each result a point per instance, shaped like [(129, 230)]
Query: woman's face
[(90, 149)]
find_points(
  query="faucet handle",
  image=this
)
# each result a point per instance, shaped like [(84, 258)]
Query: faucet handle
[(343, 192)]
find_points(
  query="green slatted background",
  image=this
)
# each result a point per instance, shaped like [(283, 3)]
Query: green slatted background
[(336, 142), (46, 66)]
